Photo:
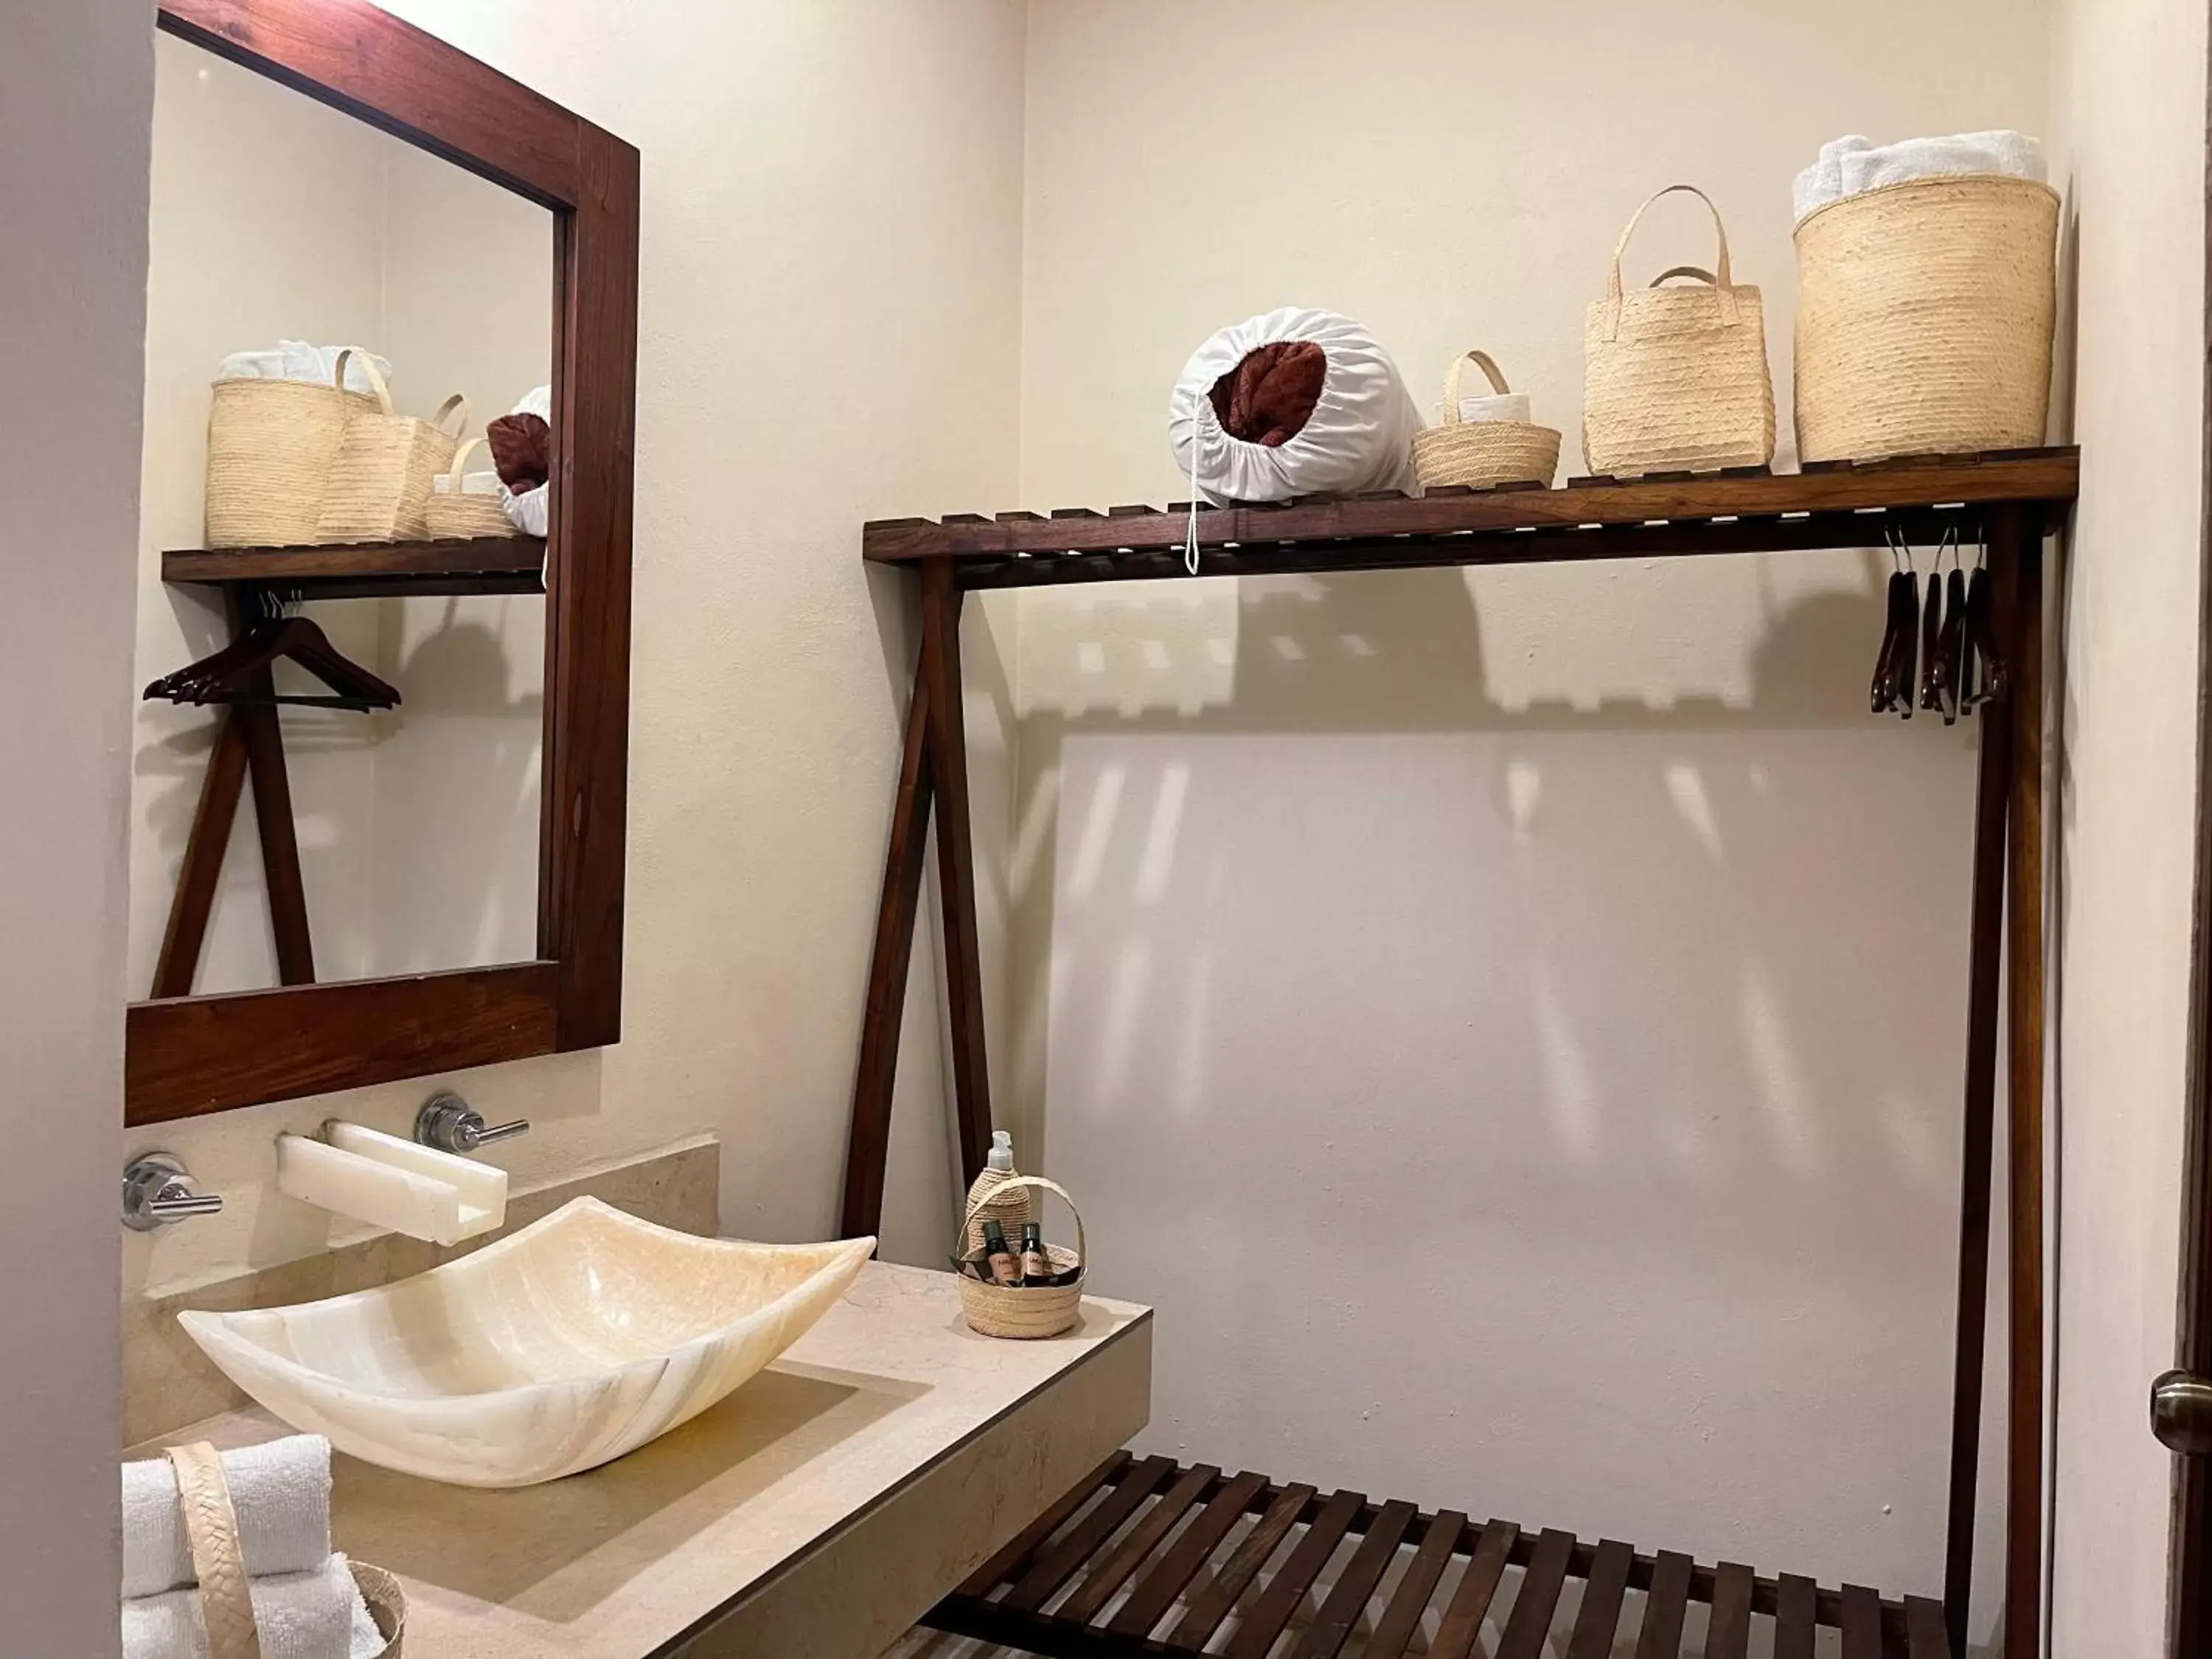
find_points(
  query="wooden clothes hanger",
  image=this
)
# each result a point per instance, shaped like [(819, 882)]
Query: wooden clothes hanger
[(239, 672)]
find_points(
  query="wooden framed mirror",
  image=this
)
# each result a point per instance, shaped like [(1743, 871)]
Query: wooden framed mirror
[(194, 1048)]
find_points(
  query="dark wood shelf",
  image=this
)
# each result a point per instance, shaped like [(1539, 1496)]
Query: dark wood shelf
[(485, 564), (1743, 510)]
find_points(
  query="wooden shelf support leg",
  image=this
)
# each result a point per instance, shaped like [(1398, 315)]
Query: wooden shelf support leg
[(280, 842), (201, 868)]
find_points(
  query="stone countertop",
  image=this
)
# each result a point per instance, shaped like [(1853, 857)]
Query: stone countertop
[(817, 1511)]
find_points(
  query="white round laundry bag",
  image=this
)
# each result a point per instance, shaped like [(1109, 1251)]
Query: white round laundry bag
[(1259, 433)]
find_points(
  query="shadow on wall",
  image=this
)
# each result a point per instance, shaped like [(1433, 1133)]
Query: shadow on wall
[(1490, 1072)]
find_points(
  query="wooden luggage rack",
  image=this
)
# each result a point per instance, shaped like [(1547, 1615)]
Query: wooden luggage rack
[(1146, 1558)]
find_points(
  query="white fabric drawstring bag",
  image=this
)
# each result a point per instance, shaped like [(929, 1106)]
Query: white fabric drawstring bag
[(1357, 436)]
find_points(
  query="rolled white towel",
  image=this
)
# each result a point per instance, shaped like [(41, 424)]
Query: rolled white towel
[(1495, 406), (280, 1489), (1851, 166), (299, 1615)]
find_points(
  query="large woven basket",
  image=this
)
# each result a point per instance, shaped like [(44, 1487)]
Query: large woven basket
[(270, 446), (380, 484), (1026, 1313), (219, 1563), (1924, 318), (1675, 379), (456, 513), (1483, 454)]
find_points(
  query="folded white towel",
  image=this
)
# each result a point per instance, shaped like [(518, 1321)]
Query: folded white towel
[(1495, 406), (295, 360), (1851, 166), (538, 401), (527, 512), (281, 1490), (299, 1615)]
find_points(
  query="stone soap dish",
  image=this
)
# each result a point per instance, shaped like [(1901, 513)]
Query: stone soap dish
[(555, 1349)]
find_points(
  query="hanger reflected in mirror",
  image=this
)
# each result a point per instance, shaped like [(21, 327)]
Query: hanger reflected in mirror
[(241, 671)]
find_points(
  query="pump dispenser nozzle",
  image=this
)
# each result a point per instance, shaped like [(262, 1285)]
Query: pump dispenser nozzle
[(1002, 1151)]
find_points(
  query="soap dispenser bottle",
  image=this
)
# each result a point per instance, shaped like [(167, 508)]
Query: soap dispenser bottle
[(1009, 1210)]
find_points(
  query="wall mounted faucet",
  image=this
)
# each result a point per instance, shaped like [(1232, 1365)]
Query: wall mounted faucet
[(452, 1125), (157, 1190)]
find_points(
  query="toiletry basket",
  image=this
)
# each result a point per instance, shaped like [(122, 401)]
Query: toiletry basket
[(211, 1531), (1483, 454), (1027, 1312)]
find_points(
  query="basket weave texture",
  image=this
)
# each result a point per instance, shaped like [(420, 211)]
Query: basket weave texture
[(270, 447), (1924, 318), (453, 516), (1675, 379), (380, 484), (1026, 1313), (1483, 454), (1009, 1209)]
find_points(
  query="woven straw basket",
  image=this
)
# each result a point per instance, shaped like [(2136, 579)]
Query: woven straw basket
[(1483, 454), (380, 484), (1009, 1209), (211, 1531), (1027, 1313), (1924, 316), (271, 445), (1675, 379), (453, 513)]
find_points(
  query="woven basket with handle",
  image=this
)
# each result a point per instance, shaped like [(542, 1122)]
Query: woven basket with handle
[(1674, 379), (1483, 454), (225, 1606), (270, 447), (1026, 1312), (454, 513), (1924, 318), (380, 483)]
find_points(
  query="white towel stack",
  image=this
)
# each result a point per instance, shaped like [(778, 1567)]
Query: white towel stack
[(1494, 406), (305, 1601), (1852, 165), (295, 360)]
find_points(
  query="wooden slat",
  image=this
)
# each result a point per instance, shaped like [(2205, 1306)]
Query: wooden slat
[(1795, 1617), (1019, 1549), (1666, 1604), (1728, 1634), (1477, 1586), (1287, 1589), (1394, 1631), (1348, 1599), (1212, 1605), (1060, 1563), (1156, 1590), (1599, 1615), (1861, 1623), (1112, 1570), (1530, 1621), (198, 875), (377, 567), (1926, 1635)]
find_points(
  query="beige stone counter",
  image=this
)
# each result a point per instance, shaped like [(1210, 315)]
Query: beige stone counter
[(813, 1514)]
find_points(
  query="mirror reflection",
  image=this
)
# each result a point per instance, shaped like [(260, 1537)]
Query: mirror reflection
[(341, 619)]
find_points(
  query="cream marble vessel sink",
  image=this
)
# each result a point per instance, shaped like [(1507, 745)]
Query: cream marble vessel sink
[(576, 1340)]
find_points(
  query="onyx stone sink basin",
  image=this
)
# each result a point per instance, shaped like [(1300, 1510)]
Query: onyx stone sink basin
[(576, 1340)]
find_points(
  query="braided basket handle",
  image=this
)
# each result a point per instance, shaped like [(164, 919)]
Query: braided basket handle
[(211, 1531), (376, 377), (1082, 1245), (1721, 283), (1482, 361)]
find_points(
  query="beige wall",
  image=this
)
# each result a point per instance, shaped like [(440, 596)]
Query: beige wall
[(1516, 1018), (2129, 97), (76, 92), (829, 295)]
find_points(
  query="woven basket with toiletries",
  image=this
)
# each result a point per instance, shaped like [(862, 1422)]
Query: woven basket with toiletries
[(464, 505), (381, 481), (1495, 444), (270, 446), (1675, 378), (1018, 1311), (1924, 318)]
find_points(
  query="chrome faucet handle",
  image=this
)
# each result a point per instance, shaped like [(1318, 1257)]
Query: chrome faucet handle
[(452, 1125), (157, 1190)]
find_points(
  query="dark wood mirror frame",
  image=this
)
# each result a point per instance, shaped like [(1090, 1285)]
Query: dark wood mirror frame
[(189, 1055)]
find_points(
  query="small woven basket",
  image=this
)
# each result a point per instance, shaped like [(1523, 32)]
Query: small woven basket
[(1924, 318), (219, 1564), (455, 513), (1024, 1313), (270, 447), (1483, 454), (380, 484), (1675, 379)]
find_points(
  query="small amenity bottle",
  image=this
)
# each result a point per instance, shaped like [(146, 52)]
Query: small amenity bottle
[(1036, 1263), (1006, 1269), (1010, 1210)]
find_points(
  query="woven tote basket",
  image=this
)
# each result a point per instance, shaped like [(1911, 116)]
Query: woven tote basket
[(1483, 454), (454, 515), (1675, 379), (211, 1534), (1924, 317), (1026, 1313), (270, 446), (380, 484)]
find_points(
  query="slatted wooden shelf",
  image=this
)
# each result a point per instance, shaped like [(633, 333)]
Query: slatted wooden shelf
[(1742, 511), (483, 564), (1147, 1559)]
